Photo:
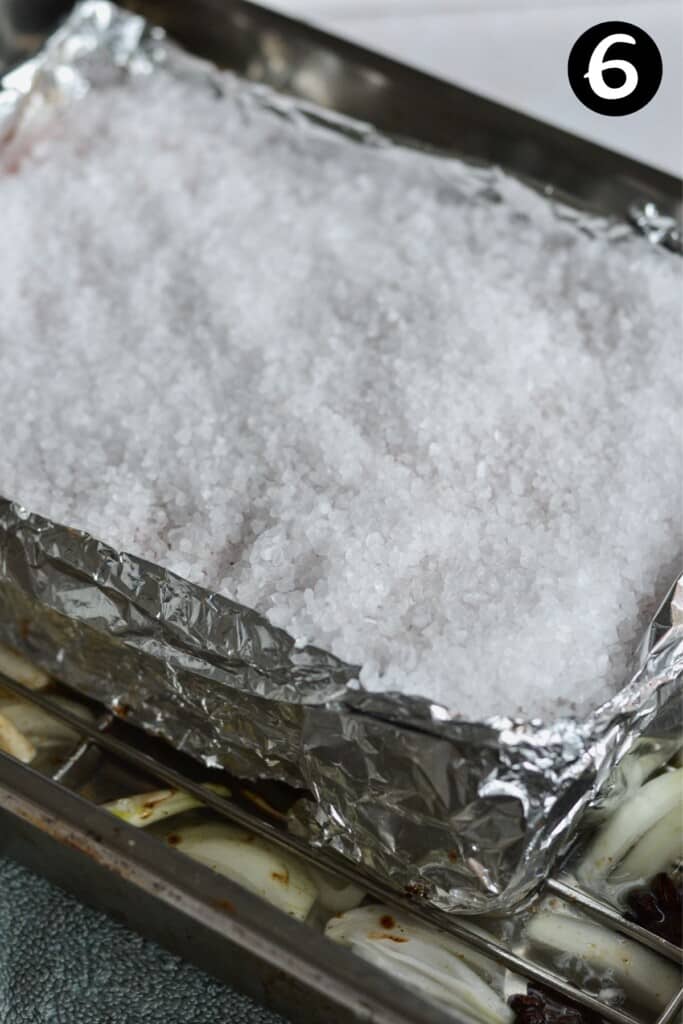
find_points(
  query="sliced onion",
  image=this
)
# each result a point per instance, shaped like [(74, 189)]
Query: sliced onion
[(514, 984), (42, 728), (18, 668), (427, 960), (336, 894), (628, 823), (13, 742), (640, 763), (637, 767), (207, 831), (643, 975), (659, 850), (428, 971), (251, 862), (145, 808)]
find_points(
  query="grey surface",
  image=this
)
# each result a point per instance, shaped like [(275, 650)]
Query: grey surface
[(62, 963)]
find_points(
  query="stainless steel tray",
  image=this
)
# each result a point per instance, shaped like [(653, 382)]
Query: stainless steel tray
[(53, 824), (316, 66)]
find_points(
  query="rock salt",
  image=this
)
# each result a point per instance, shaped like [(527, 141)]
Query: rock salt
[(410, 415)]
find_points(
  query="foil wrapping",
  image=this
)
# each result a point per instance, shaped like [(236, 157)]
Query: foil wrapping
[(470, 816)]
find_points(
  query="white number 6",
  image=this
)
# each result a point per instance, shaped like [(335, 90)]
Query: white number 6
[(598, 65)]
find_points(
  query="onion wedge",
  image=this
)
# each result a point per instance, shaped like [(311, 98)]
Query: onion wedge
[(42, 728), (146, 808), (638, 767), (18, 668), (13, 742), (629, 823), (658, 850), (251, 862), (336, 895), (643, 975), (426, 960)]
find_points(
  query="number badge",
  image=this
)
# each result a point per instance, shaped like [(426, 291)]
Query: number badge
[(615, 68)]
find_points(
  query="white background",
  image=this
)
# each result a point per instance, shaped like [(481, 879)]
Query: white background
[(515, 51)]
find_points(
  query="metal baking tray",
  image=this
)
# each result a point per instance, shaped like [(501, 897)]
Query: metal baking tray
[(50, 822), (402, 102)]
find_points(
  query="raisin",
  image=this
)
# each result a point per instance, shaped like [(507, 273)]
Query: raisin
[(540, 1006), (658, 907)]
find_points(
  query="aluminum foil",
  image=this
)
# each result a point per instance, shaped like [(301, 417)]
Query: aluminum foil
[(469, 816)]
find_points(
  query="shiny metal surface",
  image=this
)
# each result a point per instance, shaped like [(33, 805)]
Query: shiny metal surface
[(673, 1010), (470, 816), (192, 911), (315, 66), (17, 783), (174, 694), (608, 916)]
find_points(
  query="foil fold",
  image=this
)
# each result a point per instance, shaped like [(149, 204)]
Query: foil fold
[(470, 816)]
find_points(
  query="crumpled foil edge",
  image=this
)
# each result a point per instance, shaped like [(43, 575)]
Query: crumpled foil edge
[(470, 816), (467, 815)]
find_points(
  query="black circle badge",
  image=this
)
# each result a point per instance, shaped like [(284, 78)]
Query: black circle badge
[(615, 68)]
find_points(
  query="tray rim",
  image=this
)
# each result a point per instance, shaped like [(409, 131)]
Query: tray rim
[(87, 844)]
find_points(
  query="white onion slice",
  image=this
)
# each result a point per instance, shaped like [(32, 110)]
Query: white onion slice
[(18, 668), (251, 862), (42, 728), (514, 984), (424, 959), (146, 808), (638, 767), (336, 894), (635, 769), (643, 975), (13, 742), (658, 850), (628, 823)]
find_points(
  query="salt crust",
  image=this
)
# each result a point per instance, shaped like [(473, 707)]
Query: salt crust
[(423, 423)]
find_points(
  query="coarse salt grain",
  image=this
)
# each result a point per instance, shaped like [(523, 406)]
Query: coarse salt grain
[(416, 419)]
